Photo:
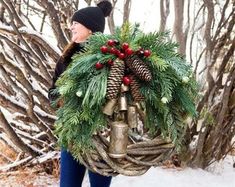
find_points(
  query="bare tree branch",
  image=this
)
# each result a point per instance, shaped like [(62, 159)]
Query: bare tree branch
[(126, 10), (178, 25), (10, 8), (164, 12), (55, 21), (111, 18), (218, 30), (210, 16), (14, 137)]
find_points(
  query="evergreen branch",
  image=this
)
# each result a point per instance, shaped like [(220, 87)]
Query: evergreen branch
[(96, 90)]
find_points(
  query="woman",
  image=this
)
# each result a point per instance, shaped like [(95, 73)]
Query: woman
[(84, 22)]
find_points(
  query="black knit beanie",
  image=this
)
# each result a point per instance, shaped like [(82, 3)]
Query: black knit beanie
[(93, 18)]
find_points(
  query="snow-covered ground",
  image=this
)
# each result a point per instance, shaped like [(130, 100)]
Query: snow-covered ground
[(218, 175)]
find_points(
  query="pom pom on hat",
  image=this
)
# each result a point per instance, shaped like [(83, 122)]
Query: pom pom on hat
[(93, 18), (106, 7)]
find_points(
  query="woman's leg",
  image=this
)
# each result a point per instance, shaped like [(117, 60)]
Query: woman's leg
[(71, 171), (97, 180)]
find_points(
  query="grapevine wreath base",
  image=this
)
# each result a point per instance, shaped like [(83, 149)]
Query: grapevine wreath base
[(140, 157), (126, 98)]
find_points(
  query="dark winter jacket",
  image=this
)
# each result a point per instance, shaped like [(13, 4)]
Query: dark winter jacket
[(61, 66)]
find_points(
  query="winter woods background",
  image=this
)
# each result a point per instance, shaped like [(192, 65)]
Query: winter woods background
[(33, 34)]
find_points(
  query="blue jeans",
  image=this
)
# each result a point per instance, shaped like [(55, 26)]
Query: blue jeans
[(72, 173)]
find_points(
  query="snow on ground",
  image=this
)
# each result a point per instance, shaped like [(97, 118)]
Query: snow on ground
[(218, 175)]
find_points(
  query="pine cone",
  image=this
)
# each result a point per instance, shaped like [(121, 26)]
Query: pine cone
[(115, 79), (135, 89), (139, 67)]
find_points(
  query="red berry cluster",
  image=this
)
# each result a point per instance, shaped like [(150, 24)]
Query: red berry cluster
[(143, 53), (123, 51)]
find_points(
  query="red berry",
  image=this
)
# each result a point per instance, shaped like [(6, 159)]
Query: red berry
[(104, 49), (113, 50), (147, 53), (99, 65), (129, 51), (121, 56), (140, 52), (111, 42), (118, 52), (125, 46), (126, 80), (110, 62)]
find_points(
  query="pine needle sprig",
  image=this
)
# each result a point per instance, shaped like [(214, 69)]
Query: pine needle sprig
[(96, 41), (151, 39), (158, 63), (185, 101), (96, 90), (181, 69)]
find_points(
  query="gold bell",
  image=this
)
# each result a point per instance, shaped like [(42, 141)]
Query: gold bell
[(118, 139), (132, 117), (124, 88), (109, 107), (123, 103)]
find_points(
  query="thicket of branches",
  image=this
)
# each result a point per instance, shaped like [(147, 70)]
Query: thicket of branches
[(215, 126), (27, 60)]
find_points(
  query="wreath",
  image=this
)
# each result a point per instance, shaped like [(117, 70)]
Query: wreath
[(126, 98)]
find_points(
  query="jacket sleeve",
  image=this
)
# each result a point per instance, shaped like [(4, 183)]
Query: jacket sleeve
[(61, 66), (59, 69)]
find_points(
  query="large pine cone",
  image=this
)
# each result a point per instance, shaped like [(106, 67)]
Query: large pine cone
[(115, 79), (135, 89), (139, 68)]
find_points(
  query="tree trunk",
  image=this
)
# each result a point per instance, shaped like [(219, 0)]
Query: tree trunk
[(178, 25), (111, 23), (164, 12), (126, 10)]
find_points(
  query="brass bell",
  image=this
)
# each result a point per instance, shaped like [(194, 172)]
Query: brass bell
[(123, 103), (118, 139), (124, 88), (109, 107), (132, 117)]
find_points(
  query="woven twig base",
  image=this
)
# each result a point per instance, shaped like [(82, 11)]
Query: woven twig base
[(140, 157)]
